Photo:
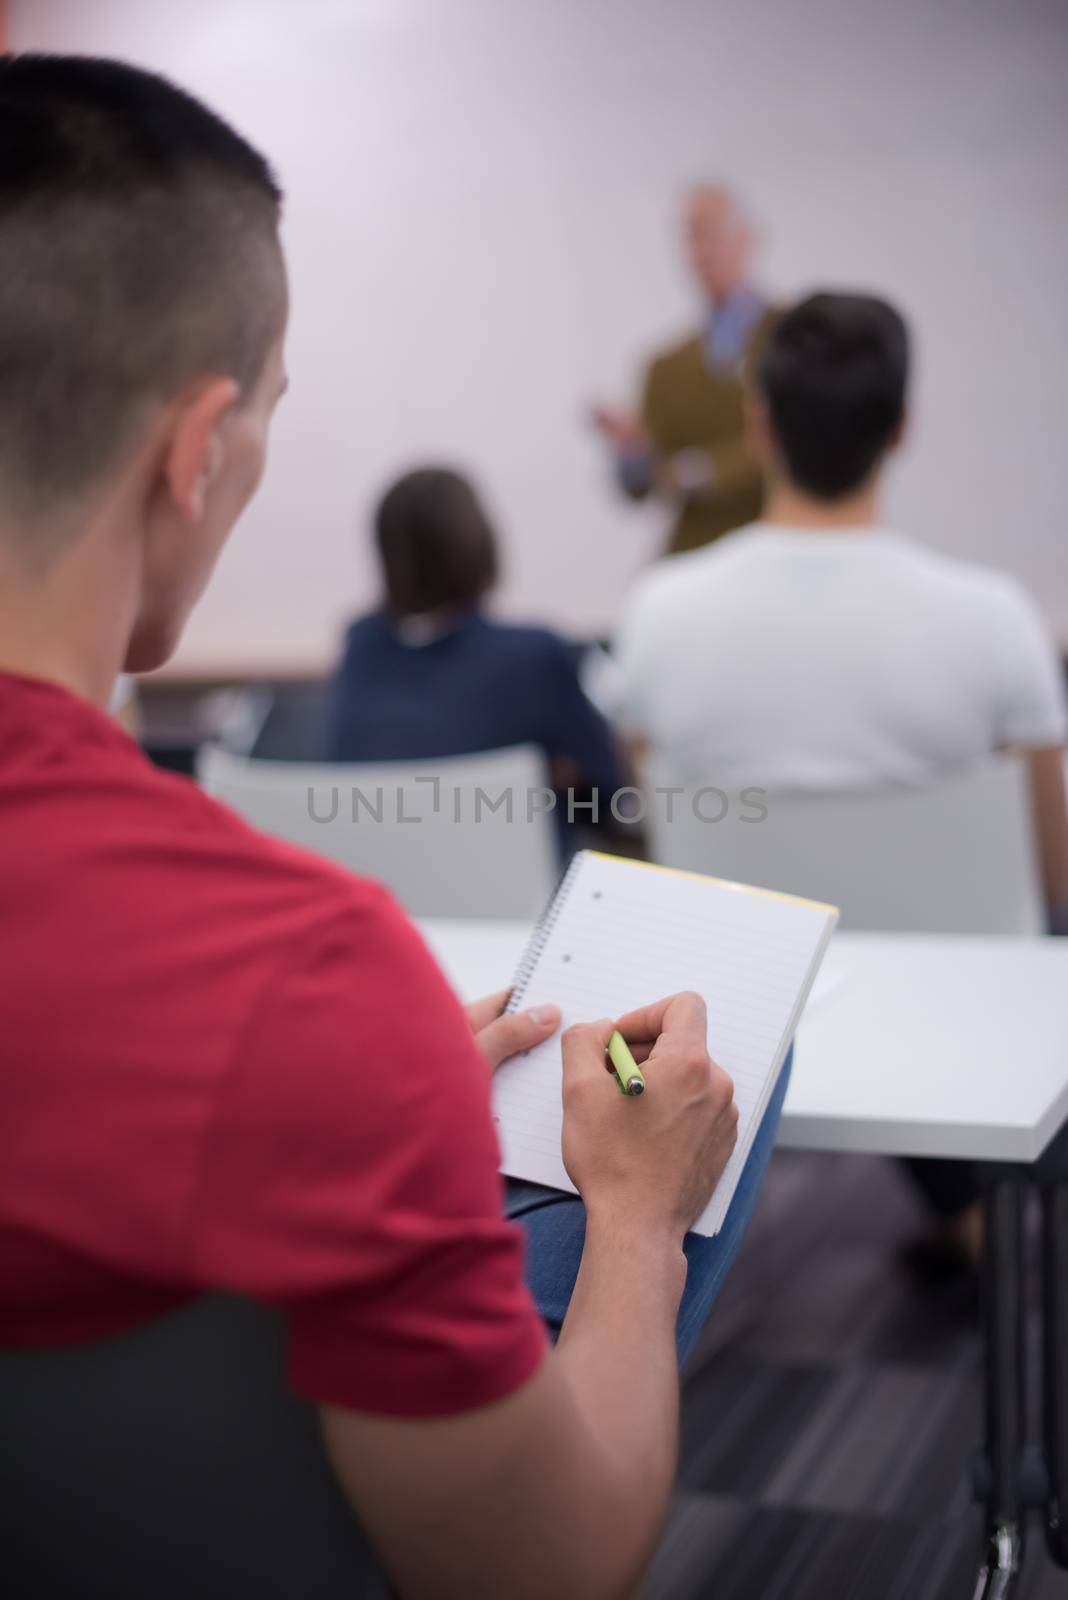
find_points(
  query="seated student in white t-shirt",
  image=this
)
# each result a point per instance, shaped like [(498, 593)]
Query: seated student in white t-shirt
[(818, 650)]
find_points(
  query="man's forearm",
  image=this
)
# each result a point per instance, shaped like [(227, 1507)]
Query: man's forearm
[(617, 1347), (560, 1489)]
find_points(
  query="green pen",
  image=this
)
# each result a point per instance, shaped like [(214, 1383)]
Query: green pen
[(628, 1073)]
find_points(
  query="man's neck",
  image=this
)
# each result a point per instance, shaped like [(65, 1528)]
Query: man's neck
[(70, 623), (789, 507), (741, 292)]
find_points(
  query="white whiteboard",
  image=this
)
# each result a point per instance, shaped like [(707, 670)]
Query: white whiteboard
[(482, 231)]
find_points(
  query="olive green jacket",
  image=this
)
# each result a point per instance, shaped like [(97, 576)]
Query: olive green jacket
[(687, 404)]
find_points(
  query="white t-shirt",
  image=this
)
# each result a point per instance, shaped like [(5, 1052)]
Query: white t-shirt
[(838, 659)]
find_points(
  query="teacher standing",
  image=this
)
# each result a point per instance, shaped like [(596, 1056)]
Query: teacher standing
[(687, 444)]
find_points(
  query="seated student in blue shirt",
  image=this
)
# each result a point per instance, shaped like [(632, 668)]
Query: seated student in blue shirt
[(428, 675)]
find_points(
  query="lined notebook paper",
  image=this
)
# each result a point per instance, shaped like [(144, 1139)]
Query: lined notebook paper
[(621, 933)]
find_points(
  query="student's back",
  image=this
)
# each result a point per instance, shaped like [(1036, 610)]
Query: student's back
[(816, 650), (835, 659), (472, 685), (428, 675), (176, 987)]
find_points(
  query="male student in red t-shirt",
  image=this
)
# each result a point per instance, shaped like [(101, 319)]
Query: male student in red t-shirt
[(228, 1065)]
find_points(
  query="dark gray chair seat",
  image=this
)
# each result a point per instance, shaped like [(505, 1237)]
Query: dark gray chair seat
[(171, 1463)]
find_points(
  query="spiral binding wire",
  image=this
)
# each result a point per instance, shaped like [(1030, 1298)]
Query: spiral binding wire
[(542, 929)]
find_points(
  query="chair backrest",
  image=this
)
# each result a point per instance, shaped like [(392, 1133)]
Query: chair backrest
[(957, 857), (171, 1462), (467, 837)]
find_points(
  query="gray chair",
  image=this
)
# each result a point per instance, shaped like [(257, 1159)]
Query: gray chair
[(171, 1463), (957, 857), (463, 837)]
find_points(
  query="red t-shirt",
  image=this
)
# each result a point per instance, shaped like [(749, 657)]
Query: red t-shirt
[(225, 1064)]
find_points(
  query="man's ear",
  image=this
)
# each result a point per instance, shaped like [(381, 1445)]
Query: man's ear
[(194, 454)]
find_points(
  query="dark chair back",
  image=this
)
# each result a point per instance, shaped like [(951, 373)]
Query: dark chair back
[(171, 1463)]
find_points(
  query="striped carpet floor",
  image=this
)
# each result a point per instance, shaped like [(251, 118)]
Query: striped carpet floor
[(831, 1410)]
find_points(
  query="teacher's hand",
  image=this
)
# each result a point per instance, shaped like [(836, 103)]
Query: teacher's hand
[(622, 429)]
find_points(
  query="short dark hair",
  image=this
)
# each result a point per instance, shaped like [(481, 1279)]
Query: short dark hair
[(138, 234), (437, 546), (834, 371)]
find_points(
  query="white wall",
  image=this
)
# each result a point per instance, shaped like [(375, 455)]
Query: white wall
[(481, 225)]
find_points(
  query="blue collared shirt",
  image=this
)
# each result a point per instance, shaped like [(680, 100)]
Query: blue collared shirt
[(731, 324)]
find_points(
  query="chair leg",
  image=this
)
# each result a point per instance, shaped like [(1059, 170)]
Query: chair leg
[(1005, 1410), (1055, 1362)]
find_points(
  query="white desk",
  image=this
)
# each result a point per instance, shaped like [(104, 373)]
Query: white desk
[(921, 1046), (931, 1047)]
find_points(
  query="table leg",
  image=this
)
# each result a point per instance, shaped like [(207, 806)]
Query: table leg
[(1055, 1361), (1003, 1335)]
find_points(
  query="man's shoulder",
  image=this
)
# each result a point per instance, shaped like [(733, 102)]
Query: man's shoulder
[(173, 924), (680, 356), (687, 354), (682, 578), (199, 860), (960, 581)]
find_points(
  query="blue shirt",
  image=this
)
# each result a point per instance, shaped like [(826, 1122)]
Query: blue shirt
[(731, 323), (479, 686)]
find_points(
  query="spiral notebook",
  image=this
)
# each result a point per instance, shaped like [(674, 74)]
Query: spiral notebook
[(621, 933)]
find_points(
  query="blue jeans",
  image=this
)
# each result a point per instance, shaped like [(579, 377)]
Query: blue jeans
[(556, 1228)]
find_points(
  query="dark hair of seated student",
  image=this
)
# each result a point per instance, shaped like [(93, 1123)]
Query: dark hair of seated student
[(437, 548), (834, 372), (428, 675)]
